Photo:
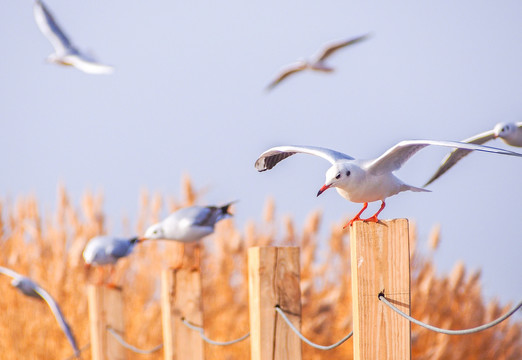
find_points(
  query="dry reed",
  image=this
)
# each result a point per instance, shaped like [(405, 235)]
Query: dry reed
[(48, 248)]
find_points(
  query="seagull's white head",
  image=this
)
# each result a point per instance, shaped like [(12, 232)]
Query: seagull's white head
[(504, 130), (154, 232), (340, 175)]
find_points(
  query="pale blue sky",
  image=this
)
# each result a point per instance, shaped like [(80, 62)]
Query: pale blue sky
[(188, 97)]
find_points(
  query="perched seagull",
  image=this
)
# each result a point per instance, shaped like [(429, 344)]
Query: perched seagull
[(188, 224), (510, 133), (365, 181), (106, 250), (30, 288), (65, 53), (317, 64)]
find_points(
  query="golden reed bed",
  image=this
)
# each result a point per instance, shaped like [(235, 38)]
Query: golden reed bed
[(48, 248)]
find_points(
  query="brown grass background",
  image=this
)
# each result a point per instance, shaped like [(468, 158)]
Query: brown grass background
[(48, 248)]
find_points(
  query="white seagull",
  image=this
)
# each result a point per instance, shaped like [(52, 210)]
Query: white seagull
[(510, 133), (106, 250), (318, 63), (30, 288), (365, 181), (65, 53), (188, 224)]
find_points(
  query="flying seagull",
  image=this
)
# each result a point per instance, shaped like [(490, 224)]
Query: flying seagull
[(30, 288), (365, 181), (65, 53), (510, 133), (106, 250), (318, 63)]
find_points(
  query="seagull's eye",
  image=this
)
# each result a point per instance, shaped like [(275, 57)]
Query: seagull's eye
[(338, 176), (348, 173)]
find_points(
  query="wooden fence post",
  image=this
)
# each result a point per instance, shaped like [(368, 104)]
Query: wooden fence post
[(380, 261), (273, 279), (105, 310), (181, 298)]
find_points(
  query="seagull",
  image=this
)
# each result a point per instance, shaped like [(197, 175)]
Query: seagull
[(364, 181), (510, 133), (65, 53), (30, 288), (317, 64), (106, 250), (188, 224)]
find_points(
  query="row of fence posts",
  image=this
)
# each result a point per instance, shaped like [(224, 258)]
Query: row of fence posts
[(379, 264)]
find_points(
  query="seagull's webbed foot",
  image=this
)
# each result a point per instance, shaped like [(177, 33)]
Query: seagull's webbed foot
[(374, 217), (357, 217)]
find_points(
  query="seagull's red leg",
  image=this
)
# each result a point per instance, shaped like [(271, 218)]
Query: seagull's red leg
[(374, 217), (357, 217)]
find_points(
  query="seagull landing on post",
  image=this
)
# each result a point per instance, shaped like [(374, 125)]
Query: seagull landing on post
[(318, 63), (365, 181)]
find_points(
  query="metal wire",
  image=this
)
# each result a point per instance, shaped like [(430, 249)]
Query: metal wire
[(210, 341), (129, 346), (298, 333), (451, 332), (83, 348)]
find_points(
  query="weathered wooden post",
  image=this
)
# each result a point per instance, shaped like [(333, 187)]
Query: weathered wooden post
[(273, 279), (181, 298), (105, 310), (380, 258)]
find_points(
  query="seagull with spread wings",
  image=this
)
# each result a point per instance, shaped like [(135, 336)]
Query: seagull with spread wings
[(65, 53), (30, 288), (510, 133), (364, 181), (318, 63)]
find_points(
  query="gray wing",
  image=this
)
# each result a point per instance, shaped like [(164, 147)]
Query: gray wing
[(395, 157), (453, 157), (51, 30), (271, 157), (291, 69), (59, 317), (119, 248), (333, 47)]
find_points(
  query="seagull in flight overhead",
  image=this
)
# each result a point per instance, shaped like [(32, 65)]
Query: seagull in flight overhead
[(65, 53), (318, 63), (365, 181), (510, 133), (30, 288)]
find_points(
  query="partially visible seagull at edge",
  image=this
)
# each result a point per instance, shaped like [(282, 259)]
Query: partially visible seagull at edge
[(510, 133), (107, 250), (65, 53), (318, 63), (30, 288), (364, 181)]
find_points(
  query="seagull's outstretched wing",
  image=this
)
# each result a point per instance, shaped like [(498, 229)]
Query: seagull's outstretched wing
[(89, 66), (453, 157), (286, 72), (9, 272), (333, 47), (59, 317), (271, 157), (395, 157), (51, 30)]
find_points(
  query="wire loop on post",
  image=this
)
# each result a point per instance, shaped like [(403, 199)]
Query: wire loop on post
[(301, 336), (129, 346), (210, 341), (451, 332)]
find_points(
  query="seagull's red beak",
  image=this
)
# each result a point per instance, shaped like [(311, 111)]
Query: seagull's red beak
[(321, 190)]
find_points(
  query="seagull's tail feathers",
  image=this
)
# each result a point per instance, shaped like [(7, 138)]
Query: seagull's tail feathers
[(413, 188), (224, 210)]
